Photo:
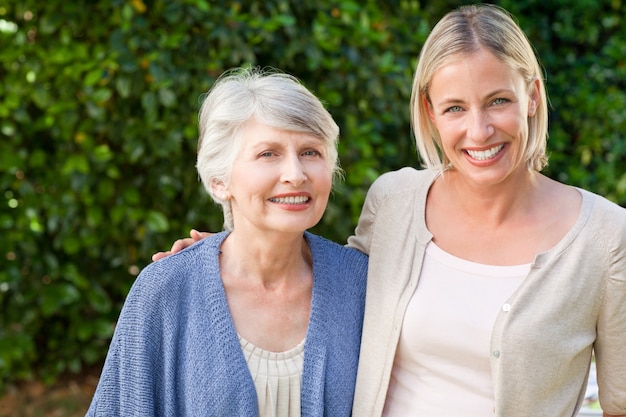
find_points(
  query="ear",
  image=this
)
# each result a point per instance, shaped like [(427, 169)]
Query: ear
[(220, 190), (534, 98), (428, 107)]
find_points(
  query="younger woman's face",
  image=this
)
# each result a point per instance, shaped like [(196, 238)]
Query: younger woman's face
[(481, 106)]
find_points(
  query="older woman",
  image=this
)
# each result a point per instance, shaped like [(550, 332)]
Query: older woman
[(261, 319)]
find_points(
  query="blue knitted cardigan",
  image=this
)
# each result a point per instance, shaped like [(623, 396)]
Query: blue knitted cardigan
[(175, 350)]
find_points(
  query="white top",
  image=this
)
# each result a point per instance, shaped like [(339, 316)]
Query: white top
[(277, 378), (441, 367)]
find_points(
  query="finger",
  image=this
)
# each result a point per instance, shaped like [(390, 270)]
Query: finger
[(160, 255), (181, 244), (196, 236)]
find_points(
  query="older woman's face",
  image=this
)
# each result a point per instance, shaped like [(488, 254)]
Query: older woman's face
[(480, 106), (280, 180)]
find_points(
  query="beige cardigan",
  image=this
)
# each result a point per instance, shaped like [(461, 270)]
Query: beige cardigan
[(573, 301)]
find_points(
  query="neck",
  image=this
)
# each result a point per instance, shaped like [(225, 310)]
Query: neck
[(268, 258), (495, 204)]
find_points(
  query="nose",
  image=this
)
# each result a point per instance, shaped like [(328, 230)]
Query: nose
[(479, 127), (293, 171)]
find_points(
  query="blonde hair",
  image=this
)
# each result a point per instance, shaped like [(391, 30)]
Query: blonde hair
[(274, 98), (465, 31)]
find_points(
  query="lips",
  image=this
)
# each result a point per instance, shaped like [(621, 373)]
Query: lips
[(486, 154)]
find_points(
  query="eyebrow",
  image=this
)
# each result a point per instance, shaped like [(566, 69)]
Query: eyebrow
[(453, 100), (499, 92), (267, 144), (270, 143)]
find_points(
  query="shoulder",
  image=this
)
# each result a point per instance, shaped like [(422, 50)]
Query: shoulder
[(607, 218), (403, 183), (339, 272), (328, 251), (600, 235), (166, 290), (181, 271), (607, 207), (404, 189), (332, 259), (405, 179), (194, 256), (394, 208), (604, 211)]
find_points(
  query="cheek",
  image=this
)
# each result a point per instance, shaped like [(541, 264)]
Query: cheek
[(326, 182), (516, 124), (322, 176), (246, 180), (449, 130)]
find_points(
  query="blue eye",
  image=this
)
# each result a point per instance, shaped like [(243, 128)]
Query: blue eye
[(454, 109), (500, 100)]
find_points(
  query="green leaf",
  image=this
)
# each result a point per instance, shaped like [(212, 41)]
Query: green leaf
[(75, 163), (56, 295), (157, 222)]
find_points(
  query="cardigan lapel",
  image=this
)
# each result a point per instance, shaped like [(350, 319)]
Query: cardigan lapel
[(228, 349), (315, 348)]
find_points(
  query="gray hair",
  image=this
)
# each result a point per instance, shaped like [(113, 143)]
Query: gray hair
[(275, 99), (462, 32)]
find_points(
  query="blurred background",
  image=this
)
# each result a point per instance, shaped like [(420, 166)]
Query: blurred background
[(98, 125)]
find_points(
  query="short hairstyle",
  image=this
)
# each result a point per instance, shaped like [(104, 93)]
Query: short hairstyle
[(465, 31), (273, 98)]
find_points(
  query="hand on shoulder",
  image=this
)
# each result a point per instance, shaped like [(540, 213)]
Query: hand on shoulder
[(181, 244)]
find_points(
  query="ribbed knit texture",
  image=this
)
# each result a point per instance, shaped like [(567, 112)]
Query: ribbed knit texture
[(175, 351)]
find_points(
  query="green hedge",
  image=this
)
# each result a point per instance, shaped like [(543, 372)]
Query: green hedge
[(98, 133)]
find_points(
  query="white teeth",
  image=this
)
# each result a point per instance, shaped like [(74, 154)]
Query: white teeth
[(290, 200), (483, 155)]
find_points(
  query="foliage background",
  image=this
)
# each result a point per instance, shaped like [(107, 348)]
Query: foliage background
[(98, 132)]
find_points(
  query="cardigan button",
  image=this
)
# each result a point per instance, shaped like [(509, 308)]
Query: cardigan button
[(496, 354), (506, 307)]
